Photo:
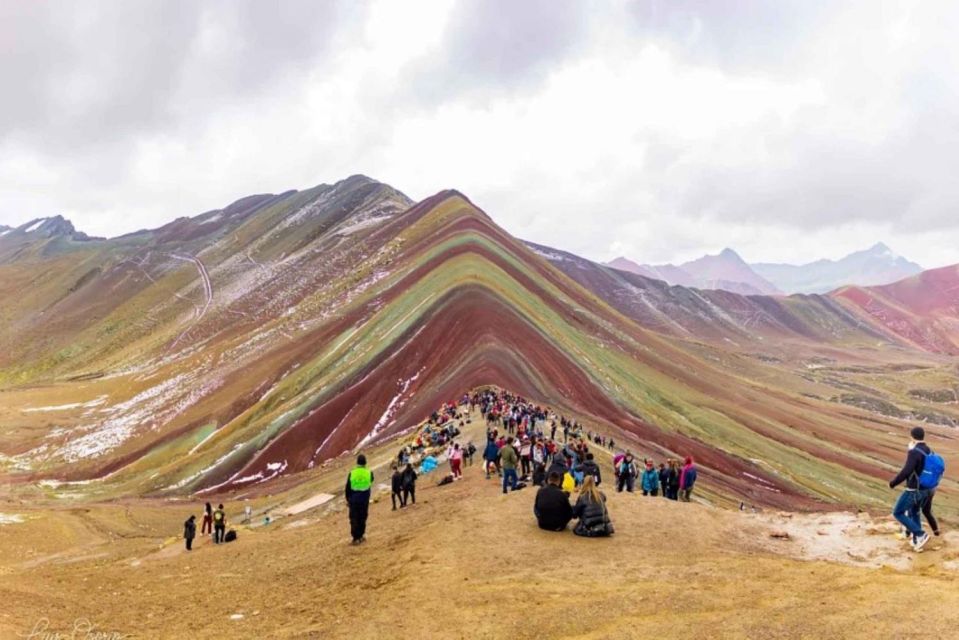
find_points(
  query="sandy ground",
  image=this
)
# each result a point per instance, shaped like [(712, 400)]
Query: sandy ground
[(468, 562)]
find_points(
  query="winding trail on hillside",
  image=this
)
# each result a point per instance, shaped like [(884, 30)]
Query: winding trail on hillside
[(207, 292)]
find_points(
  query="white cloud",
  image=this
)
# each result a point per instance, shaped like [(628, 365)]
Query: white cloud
[(657, 130)]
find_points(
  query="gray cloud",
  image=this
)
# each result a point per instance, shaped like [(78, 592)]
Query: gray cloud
[(660, 128), (491, 47)]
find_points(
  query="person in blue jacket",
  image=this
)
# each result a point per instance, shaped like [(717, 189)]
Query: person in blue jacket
[(491, 457), (650, 479)]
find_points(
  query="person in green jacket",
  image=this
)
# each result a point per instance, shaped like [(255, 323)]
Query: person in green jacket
[(509, 459), (359, 485)]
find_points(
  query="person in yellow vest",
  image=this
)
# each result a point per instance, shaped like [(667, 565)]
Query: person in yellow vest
[(359, 484)]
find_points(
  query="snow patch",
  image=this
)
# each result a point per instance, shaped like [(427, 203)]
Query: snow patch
[(10, 518), (396, 403), (36, 225)]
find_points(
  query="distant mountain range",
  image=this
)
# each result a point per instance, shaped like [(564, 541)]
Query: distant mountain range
[(729, 272)]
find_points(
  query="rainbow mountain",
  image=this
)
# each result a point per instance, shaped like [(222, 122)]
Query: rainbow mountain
[(246, 345)]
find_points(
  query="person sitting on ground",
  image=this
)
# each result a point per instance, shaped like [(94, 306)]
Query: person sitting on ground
[(189, 531), (687, 478), (397, 486), (551, 507), (591, 511), (650, 480)]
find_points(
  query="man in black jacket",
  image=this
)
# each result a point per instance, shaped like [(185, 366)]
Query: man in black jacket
[(907, 507), (552, 508), (590, 468)]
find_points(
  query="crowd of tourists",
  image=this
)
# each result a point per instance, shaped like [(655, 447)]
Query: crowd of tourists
[(523, 448)]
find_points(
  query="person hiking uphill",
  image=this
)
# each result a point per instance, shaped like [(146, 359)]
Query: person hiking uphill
[(359, 484), (687, 478), (551, 507), (650, 480), (189, 532), (219, 525), (918, 486)]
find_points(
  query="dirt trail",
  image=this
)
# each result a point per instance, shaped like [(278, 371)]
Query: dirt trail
[(468, 562)]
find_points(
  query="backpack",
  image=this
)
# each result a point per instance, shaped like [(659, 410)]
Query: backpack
[(932, 470), (230, 536)]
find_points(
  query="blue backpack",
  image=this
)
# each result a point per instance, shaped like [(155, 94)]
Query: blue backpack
[(932, 470)]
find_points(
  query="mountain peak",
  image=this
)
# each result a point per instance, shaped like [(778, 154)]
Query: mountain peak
[(51, 227), (729, 254)]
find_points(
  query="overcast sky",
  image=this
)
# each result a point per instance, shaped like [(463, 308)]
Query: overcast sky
[(659, 130)]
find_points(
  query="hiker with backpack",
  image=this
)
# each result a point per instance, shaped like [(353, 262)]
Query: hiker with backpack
[(627, 474), (591, 511), (408, 483), (189, 531), (551, 507), (921, 472), (687, 478), (590, 468), (359, 485), (650, 480), (219, 525)]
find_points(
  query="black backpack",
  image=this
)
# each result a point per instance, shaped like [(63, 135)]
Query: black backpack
[(230, 536)]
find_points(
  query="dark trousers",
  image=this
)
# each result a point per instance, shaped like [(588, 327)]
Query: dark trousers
[(398, 497), (207, 525), (219, 533), (627, 482), (684, 494), (525, 463), (927, 512), (409, 495), (189, 544), (651, 492), (359, 511), (509, 479)]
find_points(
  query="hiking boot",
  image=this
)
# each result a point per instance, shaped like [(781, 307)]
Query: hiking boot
[(920, 542)]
